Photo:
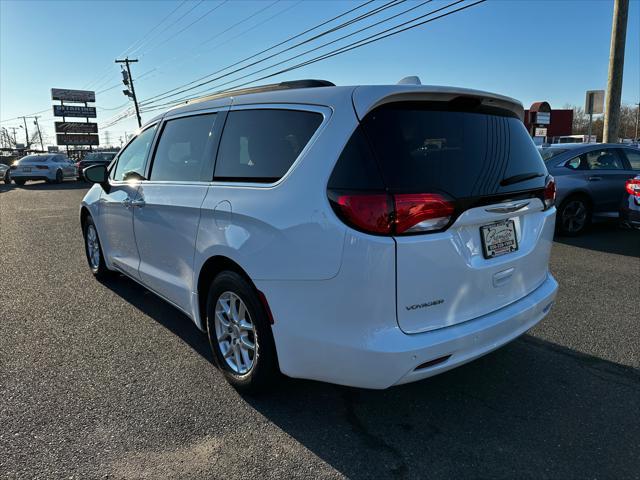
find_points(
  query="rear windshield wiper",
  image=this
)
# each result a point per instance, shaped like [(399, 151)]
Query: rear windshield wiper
[(519, 178)]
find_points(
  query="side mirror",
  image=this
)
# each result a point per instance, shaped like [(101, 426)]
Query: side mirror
[(97, 174)]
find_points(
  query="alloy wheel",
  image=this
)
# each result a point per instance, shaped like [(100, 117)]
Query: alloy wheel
[(574, 216), (93, 247), (235, 333)]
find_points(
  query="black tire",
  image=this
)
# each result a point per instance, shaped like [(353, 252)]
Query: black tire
[(19, 182), (264, 371), (59, 176), (100, 269), (574, 216)]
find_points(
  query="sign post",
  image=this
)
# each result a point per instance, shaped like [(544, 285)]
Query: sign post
[(594, 104)]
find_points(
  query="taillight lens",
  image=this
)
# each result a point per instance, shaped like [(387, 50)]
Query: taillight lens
[(633, 187), (549, 192), (13, 167), (368, 212), (387, 214), (421, 212)]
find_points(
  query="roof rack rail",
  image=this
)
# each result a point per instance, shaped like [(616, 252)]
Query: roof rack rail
[(306, 83)]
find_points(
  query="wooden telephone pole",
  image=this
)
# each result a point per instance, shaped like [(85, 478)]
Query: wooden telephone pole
[(616, 68)]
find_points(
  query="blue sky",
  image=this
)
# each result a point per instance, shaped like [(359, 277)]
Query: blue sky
[(532, 50)]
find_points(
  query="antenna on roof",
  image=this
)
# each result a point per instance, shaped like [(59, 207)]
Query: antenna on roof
[(412, 80)]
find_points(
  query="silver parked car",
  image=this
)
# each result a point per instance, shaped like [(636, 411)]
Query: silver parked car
[(45, 166), (4, 173), (590, 180)]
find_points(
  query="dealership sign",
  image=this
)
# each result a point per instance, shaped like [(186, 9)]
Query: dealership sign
[(74, 111), (76, 127), (78, 139), (73, 96)]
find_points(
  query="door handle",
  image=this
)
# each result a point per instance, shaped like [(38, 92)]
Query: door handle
[(594, 179), (138, 203)]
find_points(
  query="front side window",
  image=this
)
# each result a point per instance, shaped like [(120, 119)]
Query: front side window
[(603, 160), (261, 145), (131, 160), (184, 149)]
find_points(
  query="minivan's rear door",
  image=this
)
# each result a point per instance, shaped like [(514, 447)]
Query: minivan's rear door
[(494, 248)]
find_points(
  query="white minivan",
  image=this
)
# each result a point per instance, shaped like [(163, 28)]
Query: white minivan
[(366, 236)]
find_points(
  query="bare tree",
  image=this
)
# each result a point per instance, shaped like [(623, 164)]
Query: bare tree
[(581, 122)]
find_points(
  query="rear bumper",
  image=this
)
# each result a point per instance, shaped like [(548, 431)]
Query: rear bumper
[(630, 212), (381, 358), (32, 176), (470, 340)]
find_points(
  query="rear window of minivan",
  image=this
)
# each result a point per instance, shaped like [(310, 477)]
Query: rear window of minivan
[(422, 147), (261, 145)]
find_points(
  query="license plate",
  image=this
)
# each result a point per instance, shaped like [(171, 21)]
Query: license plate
[(26, 169), (498, 238)]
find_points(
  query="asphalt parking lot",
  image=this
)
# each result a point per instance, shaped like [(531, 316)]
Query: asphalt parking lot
[(104, 380)]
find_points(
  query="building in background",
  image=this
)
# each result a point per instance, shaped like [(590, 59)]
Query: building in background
[(544, 124)]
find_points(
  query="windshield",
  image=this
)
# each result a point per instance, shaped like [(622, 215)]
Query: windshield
[(548, 153)]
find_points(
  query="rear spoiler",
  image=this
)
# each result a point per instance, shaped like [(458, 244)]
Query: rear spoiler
[(366, 98)]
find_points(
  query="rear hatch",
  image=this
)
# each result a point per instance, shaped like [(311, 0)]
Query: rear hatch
[(466, 190)]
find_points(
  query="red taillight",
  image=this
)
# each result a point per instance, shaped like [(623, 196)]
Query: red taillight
[(549, 192), (633, 187), (368, 212), (42, 167), (421, 212), (387, 214)]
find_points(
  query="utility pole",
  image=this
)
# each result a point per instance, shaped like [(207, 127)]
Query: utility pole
[(637, 119), (127, 79), (39, 133), (616, 68), (26, 131), (15, 140)]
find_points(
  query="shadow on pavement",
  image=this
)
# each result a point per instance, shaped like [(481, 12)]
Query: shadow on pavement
[(42, 185), (607, 238), (532, 409)]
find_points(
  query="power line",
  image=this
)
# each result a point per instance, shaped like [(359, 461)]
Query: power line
[(239, 23), (263, 51), (361, 17), (100, 78), (357, 44), (181, 58), (397, 29), (167, 28), (208, 12)]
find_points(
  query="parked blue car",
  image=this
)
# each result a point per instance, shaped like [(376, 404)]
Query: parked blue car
[(590, 181)]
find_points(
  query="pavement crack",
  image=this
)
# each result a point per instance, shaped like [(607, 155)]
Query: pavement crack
[(369, 439)]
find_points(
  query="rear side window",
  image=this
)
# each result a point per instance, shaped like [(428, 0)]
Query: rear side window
[(607, 159), (184, 151), (261, 145), (422, 149), (633, 157), (356, 168)]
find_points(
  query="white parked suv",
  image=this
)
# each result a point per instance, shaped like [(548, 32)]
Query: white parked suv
[(366, 236)]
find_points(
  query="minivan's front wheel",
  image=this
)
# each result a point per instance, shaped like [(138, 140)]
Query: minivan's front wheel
[(573, 216), (93, 250), (239, 334)]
